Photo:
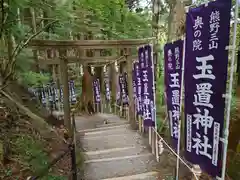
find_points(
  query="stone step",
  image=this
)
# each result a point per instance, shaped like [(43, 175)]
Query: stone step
[(119, 167), (108, 116), (105, 132), (111, 141), (99, 129), (116, 152), (110, 124), (117, 158), (144, 176)]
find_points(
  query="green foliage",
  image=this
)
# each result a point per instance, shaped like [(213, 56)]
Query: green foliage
[(33, 79), (31, 152), (233, 166), (24, 61), (102, 19), (53, 177), (160, 124), (7, 172), (169, 177), (25, 75)]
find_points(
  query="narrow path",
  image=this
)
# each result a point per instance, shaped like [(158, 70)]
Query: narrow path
[(113, 151)]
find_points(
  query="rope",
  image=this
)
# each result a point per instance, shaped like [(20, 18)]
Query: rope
[(161, 139), (120, 59)]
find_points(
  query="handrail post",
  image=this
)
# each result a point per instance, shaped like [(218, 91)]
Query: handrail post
[(73, 160), (73, 148)]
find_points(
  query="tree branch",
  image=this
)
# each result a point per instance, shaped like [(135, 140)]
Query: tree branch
[(18, 49), (4, 18), (2, 21)]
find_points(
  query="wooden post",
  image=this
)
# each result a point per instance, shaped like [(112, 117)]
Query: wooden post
[(54, 73), (113, 81), (64, 71), (102, 89), (140, 124), (121, 72), (197, 170), (99, 75), (153, 141), (130, 88), (58, 81)]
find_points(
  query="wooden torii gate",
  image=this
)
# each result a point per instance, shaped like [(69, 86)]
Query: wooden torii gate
[(71, 51)]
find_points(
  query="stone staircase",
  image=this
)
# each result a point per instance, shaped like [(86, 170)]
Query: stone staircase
[(113, 151)]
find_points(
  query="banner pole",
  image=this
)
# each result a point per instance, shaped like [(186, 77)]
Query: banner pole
[(154, 107), (57, 99), (181, 102), (103, 105), (149, 134), (226, 131), (110, 107), (47, 98), (94, 103)]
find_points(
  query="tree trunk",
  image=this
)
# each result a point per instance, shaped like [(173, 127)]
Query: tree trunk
[(176, 24), (234, 136), (87, 90), (38, 123), (155, 33), (176, 21), (87, 81), (34, 27), (113, 82)]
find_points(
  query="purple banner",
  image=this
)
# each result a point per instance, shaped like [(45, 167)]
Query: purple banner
[(72, 93), (123, 89), (61, 93), (96, 91), (125, 76), (206, 60), (138, 85), (118, 95), (50, 93), (148, 100), (43, 95), (134, 84), (56, 92), (173, 74), (107, 87), (141, 63)]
